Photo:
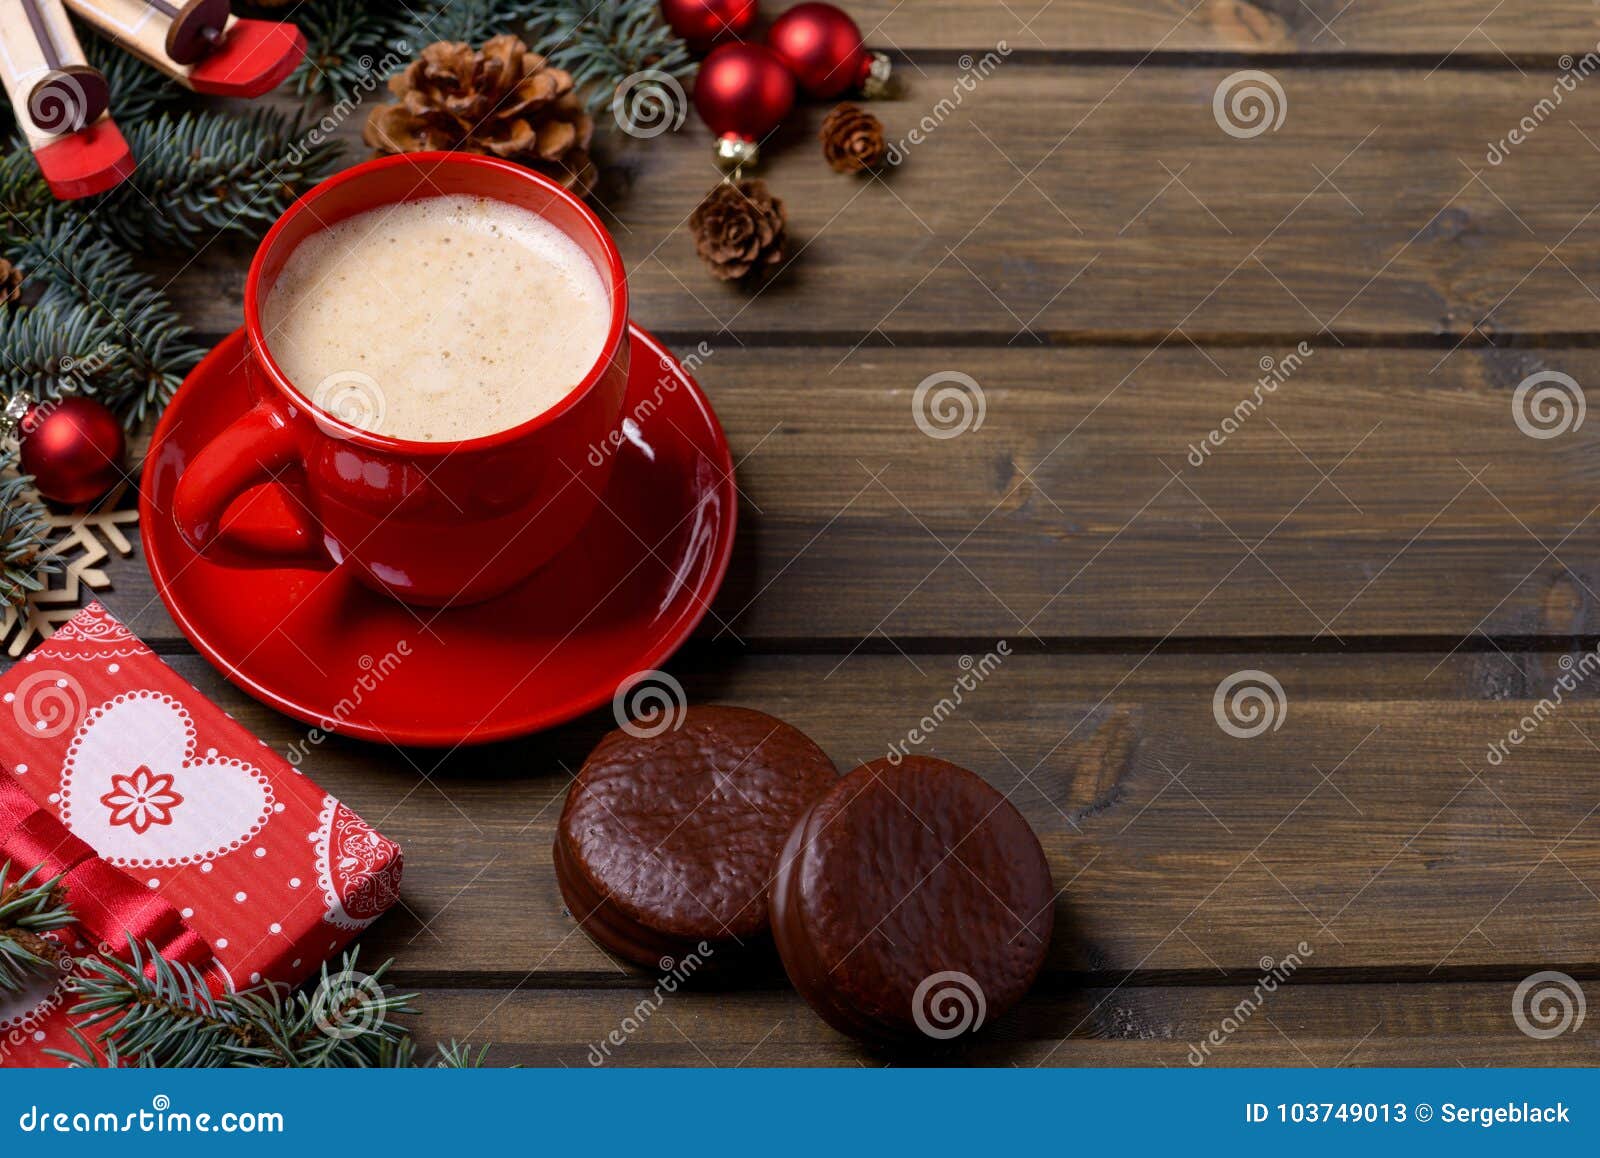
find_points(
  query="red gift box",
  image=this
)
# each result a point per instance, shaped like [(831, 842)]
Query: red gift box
[(172, 823)]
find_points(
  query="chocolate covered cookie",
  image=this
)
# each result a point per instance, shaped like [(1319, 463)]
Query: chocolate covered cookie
[(669, 840), (912, 902)]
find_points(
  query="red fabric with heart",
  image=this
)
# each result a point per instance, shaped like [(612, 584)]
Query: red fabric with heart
[(172, 823)]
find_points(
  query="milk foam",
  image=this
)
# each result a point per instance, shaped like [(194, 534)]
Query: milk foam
[(446, 318)]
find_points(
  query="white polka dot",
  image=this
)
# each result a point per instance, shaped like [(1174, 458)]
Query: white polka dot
[(187, 913), (241, 897), (9, 696), (22, 769), (255, 979), (61, 683), (154, 882), (277, 807), (41, 725), (113, 668), (205, 867), (222, 942), (55, 798), (260, 852), (294, 882), (38, 1035), (276, 928), (211, 751)]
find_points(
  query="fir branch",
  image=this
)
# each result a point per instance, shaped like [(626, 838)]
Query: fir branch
[(42, 346), (169, 1018), (472, 21), (209, 172), (456, 1055), (137, 90), (345, 41), (603, 43), (144, 360), (28, 909), (24, 535), (23, 194)]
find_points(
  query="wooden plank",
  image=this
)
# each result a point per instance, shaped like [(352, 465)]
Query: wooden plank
[(1055, 204), (1325, 27), (1076, 512), (1298, 1025), (1369, 825)]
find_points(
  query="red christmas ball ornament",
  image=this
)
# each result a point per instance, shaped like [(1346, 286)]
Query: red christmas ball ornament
[(743, 92), (703, 23), (822, 47), (73, 448)]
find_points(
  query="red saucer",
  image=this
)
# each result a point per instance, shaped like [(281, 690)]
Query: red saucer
[(326, 650)]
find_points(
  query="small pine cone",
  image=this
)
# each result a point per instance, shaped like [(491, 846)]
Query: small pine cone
[(852, 140), (10, 283), (739, 230), (501, 100)]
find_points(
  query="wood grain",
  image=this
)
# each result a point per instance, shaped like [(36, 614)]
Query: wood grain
[(1076, 514), (1299, 1025), (1087, 203), (1430, 28), (1369, 825)]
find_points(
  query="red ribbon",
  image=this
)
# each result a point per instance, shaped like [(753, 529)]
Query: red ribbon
[(110, 905)]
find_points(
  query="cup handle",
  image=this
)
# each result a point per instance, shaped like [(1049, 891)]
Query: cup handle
[(252, 450)]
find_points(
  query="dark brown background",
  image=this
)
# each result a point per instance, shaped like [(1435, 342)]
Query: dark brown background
[(1083, 240)]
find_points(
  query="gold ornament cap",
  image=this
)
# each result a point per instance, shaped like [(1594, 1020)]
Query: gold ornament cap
[(879, 82), (16, 410), (734, 153)]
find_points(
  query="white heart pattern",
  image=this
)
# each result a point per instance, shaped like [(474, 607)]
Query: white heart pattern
[(132, 789)]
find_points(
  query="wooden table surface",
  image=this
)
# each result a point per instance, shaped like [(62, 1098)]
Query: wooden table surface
[(1078, 234)]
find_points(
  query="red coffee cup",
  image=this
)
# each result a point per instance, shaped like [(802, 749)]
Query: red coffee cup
[(432, 523)]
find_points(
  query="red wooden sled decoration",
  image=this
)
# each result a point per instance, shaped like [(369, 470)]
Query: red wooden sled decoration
[(199, 44), (59, 101)]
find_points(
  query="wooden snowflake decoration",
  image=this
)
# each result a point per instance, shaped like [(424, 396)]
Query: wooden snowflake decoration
[(80, 543)]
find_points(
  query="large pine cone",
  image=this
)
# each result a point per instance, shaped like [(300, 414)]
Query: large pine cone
[(503, 100), (739, 230)]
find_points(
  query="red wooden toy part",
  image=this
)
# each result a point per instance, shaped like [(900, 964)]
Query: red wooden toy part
[(59, 100), (255, 57), (198, 44), (87, 162)]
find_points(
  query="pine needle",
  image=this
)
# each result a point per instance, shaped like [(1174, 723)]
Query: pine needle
[(29, 908)]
